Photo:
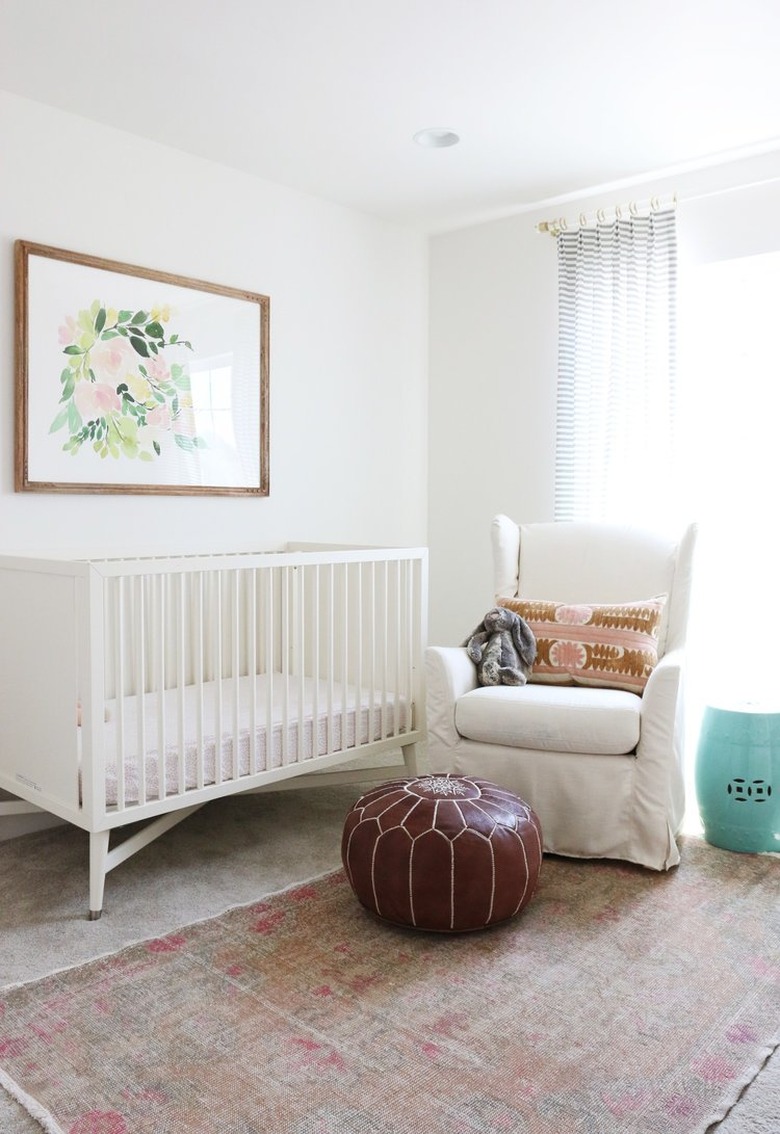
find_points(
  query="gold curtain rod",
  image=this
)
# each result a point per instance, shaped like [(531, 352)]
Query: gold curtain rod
[(599, 216)]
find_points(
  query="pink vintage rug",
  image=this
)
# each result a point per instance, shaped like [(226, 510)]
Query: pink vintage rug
[(619, 1001)]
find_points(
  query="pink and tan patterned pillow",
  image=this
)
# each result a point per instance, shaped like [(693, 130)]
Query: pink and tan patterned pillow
[(614, 646)]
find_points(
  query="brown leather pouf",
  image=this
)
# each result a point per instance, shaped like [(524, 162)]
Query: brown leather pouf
[(444, 853)]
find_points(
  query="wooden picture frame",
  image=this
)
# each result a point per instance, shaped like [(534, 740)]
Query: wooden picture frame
[(130, 380)]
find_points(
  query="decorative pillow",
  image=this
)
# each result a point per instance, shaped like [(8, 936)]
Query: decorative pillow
[(613, 646)]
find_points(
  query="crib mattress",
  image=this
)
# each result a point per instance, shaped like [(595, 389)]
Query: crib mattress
[(205, 735)]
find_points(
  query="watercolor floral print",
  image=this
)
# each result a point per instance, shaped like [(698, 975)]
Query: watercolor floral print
[(125, 391)]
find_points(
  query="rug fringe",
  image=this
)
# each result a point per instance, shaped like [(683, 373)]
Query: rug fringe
[(42, 1116), (741, 1085)]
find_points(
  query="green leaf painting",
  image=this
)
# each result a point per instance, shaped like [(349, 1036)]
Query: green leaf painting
[(114, 403)]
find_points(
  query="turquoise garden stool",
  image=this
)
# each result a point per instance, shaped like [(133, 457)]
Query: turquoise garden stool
[(738, 778)]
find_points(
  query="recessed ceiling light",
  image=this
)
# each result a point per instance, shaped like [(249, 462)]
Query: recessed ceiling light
[(436, 137)]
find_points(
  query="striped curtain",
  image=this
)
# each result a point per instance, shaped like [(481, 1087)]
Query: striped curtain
[(615, 452)]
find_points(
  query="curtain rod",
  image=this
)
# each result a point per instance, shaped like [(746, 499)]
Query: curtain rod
[(599, 216)]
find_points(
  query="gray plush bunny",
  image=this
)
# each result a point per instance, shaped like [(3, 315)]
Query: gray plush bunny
[(502, 648)]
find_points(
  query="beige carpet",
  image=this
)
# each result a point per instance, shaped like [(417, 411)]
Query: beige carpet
[(238, 849)]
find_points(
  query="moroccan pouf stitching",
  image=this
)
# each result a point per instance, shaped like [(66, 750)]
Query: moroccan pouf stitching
[(442, 853)]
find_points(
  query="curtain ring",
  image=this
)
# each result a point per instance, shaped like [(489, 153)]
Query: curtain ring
[(632, 208), (600, 215)]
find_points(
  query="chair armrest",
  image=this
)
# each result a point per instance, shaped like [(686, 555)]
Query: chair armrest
[(449, 673), (659, 767), (662, 702)]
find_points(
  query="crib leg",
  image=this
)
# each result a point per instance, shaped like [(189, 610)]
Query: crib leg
[(409, 752), (98, 855)]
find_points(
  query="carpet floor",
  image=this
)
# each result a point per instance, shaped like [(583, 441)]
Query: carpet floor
[(237, 850)]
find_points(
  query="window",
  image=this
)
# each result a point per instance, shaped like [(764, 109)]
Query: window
[(729, 417), (615, 451)]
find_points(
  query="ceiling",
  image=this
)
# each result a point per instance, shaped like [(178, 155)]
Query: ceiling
[(550, 97)]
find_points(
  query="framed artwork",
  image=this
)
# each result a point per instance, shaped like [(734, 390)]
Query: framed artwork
[(136, 381)]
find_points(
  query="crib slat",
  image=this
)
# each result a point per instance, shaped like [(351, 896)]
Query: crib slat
[(218, 689), (236, 643), (329, 637), (344, 635), (180, 681), (372, 653), (141, 687), (285, 724), (119, 688), (411, 631), (160, 631), (383, 643), (252, 670), (268, 666), (411, 643), (398, 625), (315, 649), (359, 653), (200, 647), (298, 665)]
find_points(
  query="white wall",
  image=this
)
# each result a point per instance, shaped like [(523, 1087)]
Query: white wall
[(348, 448), (348, 337), (493, 358)]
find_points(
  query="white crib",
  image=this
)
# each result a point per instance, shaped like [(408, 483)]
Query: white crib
[(139, 689)]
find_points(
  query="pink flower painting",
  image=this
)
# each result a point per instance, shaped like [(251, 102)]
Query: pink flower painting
[(125, 391)]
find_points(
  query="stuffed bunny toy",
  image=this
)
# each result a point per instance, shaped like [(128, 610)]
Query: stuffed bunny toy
[(502, 648)]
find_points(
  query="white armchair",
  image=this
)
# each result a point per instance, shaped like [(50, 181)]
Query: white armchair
[(601, 767)]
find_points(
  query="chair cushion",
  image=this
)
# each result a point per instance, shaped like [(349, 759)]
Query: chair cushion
[(551, 718)]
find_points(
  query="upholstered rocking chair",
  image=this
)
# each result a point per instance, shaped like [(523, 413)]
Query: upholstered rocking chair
[(594, 740)]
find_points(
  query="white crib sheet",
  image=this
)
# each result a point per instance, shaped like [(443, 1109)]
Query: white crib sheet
[(185, 731)]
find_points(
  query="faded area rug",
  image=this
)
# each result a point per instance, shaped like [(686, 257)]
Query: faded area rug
[(619, 1001)]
